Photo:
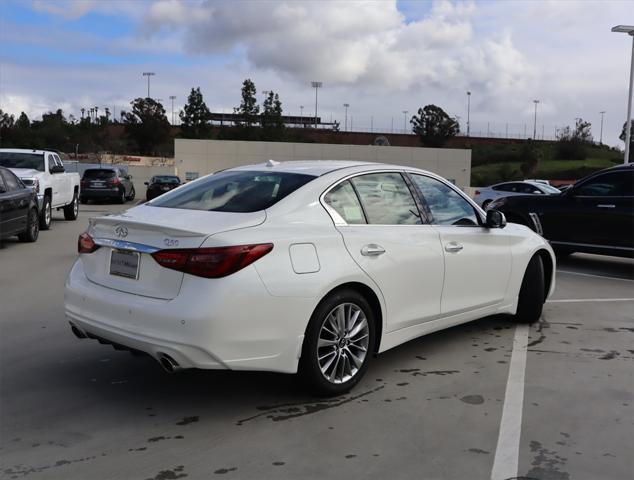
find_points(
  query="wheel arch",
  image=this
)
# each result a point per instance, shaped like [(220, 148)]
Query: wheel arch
[(375, 304), (48, 192)]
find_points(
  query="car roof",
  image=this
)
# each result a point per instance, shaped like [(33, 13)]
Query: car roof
[(308, 167), (26, 150), (622, 166)]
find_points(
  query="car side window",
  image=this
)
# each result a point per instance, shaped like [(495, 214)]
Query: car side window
[(612, 184), (11, 181), (526, 188), (51, 161), (447, 206), (386, 199), (344, 201), (505, 187)]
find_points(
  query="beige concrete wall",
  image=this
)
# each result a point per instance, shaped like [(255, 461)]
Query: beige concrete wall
[(205, 156)]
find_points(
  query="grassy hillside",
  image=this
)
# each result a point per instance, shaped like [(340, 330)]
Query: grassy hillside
[(501, 162)]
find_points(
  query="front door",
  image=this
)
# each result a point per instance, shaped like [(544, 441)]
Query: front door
[(383, 231), (477, 259)]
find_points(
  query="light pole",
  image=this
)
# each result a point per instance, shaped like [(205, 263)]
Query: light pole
[(148, 75), (629, 29), (601, 135), (468, 113), (535, 122), (316, 86), (301, 115), (345, 128), (172, 98), (404, 121)]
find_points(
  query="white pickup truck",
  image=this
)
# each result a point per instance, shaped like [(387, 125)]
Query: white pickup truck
[(44, 171)]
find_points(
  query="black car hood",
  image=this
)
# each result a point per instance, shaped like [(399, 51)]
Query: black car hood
[(525, 200)]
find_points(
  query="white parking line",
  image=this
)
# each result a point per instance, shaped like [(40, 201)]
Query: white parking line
[(595, 276), (574, 300), (506, 461)]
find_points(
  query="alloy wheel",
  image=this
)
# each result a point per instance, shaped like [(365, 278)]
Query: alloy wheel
[(343, 342)]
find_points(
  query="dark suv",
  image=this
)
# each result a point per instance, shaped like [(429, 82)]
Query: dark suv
[(18, 208), (595, 215), (159, 184), (106, 183)]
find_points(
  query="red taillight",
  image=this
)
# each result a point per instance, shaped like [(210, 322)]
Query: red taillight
[(114, 181), (211, 262), (85, 243)]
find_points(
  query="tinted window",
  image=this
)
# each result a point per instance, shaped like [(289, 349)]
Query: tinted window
[(11, 181), (234, 191), (506, 187), (22, 160), (528, 188), (345, 201), (166, 179), (386, 199), (446, 205), (613, 184), (98, 174)]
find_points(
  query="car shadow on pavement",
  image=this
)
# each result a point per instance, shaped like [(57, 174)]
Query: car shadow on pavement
[(598, 265)]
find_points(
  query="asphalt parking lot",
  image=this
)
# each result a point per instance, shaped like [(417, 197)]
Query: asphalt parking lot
[(559, 396)]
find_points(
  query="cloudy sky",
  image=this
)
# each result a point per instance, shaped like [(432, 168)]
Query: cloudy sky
[(381, 57)]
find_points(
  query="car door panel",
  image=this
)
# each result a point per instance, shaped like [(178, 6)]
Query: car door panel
[(477, 259), (409, 272)]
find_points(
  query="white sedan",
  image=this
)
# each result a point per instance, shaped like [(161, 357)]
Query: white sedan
[(485, 195), (309, 267)]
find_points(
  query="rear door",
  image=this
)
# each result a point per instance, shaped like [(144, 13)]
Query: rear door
[(385, 234), (477, 260)]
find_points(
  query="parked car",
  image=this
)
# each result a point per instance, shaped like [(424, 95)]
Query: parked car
[(18, 208), (485, 195), (109, 183), (289, 266), (595, 215), (160, 184), (44, 171)]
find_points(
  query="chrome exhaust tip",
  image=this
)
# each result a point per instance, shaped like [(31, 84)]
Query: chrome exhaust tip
[(168, 363)]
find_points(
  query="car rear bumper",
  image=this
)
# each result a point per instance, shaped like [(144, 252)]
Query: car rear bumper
[(229, 323), (100, 192)]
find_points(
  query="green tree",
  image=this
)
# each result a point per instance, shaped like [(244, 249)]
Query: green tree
[(195, 116), (272, 123), (571, 143), (530, 156), (147, 125), (249, 108), (434, 126), (23, 121)]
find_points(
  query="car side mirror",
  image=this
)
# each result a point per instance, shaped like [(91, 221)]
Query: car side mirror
[(56, 169), (495, 219), (146, 183)]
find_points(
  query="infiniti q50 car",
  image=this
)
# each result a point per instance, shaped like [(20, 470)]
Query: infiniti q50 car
[(309, 267)]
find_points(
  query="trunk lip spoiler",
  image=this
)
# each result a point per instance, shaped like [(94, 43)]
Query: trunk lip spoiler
[(123, 245)]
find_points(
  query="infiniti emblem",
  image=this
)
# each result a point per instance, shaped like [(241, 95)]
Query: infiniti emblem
[(121, 231)]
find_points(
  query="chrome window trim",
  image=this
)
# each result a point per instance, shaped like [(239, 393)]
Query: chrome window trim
[(593, 245), (537, 223), (123, 245)]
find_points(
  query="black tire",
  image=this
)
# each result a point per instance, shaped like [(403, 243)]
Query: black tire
[(71, 211), (131, 196), (121, 198), (32, 228), (532, 296), (46, 214), (310, 369)]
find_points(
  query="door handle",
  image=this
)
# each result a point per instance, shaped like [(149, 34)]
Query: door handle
[(606, 206), (453, 247), (372, 250)]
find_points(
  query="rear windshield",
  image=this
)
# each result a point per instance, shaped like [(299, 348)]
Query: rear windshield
[(234, 191), (22, 160), (166, 179), (98, 174)]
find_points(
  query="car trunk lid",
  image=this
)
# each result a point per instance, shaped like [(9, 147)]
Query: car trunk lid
[(124, 261)]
